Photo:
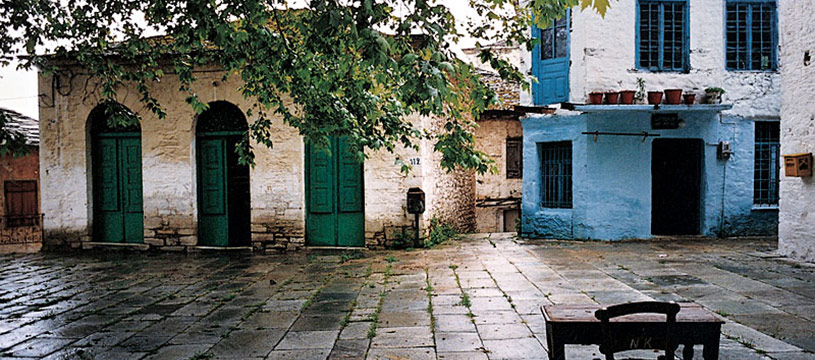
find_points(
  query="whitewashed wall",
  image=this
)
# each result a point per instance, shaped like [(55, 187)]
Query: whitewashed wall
[(796, 230)]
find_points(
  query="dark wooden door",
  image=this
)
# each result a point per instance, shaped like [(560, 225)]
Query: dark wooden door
[(676, 170), (223, 192), (334, 196), (117, 182)]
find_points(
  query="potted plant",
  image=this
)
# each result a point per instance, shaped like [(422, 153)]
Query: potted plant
[(713, 95), (689, 98), (595, 98), (612, 97), (654, 97), (640, 95), (673, 96), (627, 96)]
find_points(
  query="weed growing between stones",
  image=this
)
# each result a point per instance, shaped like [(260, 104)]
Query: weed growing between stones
[(429, 290), (439, 233), (375, 316)]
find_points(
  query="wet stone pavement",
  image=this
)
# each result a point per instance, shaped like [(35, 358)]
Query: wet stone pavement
[(476, 298)]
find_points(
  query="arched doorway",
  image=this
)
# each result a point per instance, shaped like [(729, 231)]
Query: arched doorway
[(223, 183), (118, 216)]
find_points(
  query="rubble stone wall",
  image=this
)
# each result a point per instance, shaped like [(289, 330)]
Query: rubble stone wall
[(797, 209), (169, 171), (494, 192)]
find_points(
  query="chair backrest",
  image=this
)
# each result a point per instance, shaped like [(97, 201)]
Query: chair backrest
[(622, 335)]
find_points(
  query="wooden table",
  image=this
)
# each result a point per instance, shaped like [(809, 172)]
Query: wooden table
[(576, 324)]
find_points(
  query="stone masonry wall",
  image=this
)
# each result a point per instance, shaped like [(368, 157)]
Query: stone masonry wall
[(169, 173), (797, 209), (168, 163), (494, 192)]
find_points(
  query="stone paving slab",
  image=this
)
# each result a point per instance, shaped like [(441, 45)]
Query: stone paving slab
[(467, 299)]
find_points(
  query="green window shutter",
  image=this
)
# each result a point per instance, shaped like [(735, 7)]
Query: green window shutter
[(212, 176), (350, 179), (320, 181), (108, 167), (131, 164)]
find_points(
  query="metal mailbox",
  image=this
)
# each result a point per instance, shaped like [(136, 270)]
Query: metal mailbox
[(415, 201)]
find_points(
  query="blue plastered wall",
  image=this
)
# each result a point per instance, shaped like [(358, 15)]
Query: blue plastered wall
[(611, 177)]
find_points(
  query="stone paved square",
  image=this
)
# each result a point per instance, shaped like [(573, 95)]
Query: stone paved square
[(465, 299)]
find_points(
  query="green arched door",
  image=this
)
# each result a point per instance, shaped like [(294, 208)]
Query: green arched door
[(117, 178), (223, 183)]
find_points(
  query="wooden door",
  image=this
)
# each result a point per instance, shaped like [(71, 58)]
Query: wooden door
[(676, 175), (334, 196), (117, 182), (213, 217), (550, 62)]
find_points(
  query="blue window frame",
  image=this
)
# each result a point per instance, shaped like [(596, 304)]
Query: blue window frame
[(556, 174), (662, 35), (751, 35), (767, 163)]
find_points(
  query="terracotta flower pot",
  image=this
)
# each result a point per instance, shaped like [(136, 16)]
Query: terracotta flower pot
[(673, 96), (612, 97), (596, 98), (654, 97), (627, 97), (689, 98)]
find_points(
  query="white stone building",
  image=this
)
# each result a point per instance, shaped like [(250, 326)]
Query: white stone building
[(609, 185), (174, 184), (796, 230)]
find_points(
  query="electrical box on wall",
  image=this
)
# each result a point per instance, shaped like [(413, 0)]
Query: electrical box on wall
[(798, 165), (724, 151)]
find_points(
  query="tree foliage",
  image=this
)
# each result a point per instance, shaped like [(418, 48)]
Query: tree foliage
[(353, 68)]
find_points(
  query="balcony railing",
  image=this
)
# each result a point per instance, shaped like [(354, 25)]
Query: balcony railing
[(16, 221)]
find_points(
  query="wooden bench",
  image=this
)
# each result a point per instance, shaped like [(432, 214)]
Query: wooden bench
[(576, 324)]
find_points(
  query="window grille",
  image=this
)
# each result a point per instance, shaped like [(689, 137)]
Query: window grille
[(751, 35), (514, 158), (21, 203), (662, 31), (767, 163), (556, 174)]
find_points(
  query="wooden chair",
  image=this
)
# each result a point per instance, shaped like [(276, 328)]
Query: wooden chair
[(622, 335)]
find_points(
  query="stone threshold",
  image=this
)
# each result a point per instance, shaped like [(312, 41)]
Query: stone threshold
[(92, 244)]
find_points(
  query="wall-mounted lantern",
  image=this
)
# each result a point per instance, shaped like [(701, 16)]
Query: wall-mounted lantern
[(799, 165)]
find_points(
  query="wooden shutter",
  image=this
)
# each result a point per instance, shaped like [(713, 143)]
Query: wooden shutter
[(321, 180), (212, 176), (21, 203), (514, 158), (350, 179), (108, 167)]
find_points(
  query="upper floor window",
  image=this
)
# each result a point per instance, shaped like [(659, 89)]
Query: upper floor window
[(751, 35), (767, 168), (662, 33)]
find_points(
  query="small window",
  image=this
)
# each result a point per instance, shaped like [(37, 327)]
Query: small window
[(662, 31), (556, 174), (767, 163), (555, 39), (514, 158), (21, 203), (751, 35)]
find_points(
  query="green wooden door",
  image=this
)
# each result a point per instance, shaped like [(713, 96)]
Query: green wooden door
[(117, 178), (334, 197), (213, 217)]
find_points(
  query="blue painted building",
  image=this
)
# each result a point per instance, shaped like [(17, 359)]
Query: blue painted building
[(615, 172), (590, 175)]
